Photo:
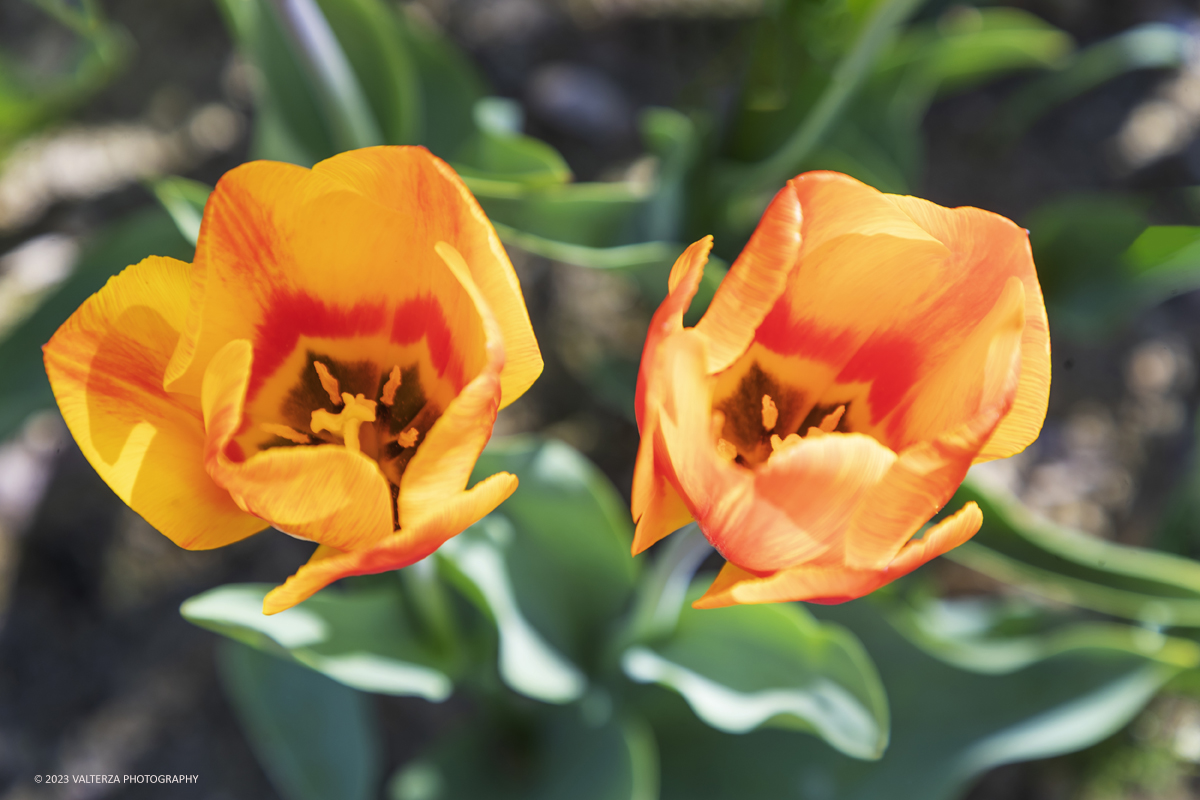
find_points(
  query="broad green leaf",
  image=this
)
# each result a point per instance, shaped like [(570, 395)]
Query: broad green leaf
[(948, 725), (569, 557), (743, 667), (996, 636), (365, 639), (1070, 566), (315, 739), (578, 752), (527, 662), (589, 214), (1151, 46), (184, 200), (128, 241)]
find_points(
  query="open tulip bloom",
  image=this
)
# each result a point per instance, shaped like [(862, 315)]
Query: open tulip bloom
[(862, 353), (331, 364)]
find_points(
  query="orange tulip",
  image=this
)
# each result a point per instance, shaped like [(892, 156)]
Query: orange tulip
[(331, 364), (862, 353)]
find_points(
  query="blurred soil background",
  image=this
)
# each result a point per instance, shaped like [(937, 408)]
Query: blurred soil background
[(100, 674)]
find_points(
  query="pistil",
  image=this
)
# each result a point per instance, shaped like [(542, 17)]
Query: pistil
[(358, 409)]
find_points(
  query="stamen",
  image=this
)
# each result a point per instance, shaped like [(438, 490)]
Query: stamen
[(389, 388), (789, 440), (726, 450), (408, 438), (830, 423), (284, 432), (328, 383), (347, 421), (770, 413)]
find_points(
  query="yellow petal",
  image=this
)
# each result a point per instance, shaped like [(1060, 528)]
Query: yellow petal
[(106, 366), (403, 548)]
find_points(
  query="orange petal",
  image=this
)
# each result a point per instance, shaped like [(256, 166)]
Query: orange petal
[(928, 473), (664, 514), (106, 365), (755, 281), (403, 548), (838, 583), (444, 461), (325, 493), (426, 191)]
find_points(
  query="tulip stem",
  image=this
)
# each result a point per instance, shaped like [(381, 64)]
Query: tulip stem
[(664, 589)]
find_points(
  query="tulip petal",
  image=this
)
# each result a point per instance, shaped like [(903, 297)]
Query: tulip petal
[(927, 473), (401, 549), (663, 515), (298, 262), (106, 365), (754, 282), (1004, 248), (422, 188), (837, 583), (444, 461), (326, 493)]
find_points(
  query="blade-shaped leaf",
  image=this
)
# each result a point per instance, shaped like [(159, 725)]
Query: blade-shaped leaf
[(1064, 565), (315, 738), (743, 667), (362, 639)]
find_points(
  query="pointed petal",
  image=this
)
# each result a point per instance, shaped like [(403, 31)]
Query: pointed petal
[(665, 514), (105, 366), (421, 187), (755, 281), (325, 493), (444, 461), (405, 547)]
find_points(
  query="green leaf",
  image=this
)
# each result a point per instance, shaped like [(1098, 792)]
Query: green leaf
[(290, 124), (371, 36), (582, 753), (184, 200), (498, 152), (314, 738), (128, 241), (449, 87), (551, 565), (1151, 46), (364, 639), (996, 636), (526, 661), (743, 667), (948, 725), (1069, 566), (593, 215)]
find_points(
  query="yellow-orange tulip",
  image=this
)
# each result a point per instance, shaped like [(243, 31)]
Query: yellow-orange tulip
[(863, 351), (331, 364)]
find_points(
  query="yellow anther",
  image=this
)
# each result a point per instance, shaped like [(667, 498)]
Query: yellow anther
[(346, 422), (830, 423), (726, 450), (284, 432), (328, 383), (409, 437), (787, 441), (389, 388), (770, 413)]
